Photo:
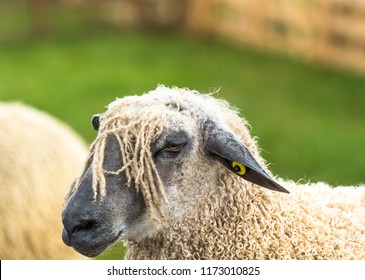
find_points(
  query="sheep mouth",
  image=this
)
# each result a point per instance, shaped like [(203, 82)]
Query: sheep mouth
[(92, 249)]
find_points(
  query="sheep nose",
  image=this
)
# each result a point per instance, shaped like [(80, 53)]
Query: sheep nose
[(66, 237), (75, 227)]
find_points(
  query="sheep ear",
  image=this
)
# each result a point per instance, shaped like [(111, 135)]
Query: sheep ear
[(225, 147), (95, 121)]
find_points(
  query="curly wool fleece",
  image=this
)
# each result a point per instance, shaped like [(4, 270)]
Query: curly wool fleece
[(237, 219), (240, 221)]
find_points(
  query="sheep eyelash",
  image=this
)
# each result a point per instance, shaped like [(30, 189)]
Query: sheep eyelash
[(172, 148)]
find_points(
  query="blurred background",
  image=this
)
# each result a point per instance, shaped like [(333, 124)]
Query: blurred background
[(294, 68)]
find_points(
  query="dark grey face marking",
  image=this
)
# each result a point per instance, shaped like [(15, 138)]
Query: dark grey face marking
[(90, 226)]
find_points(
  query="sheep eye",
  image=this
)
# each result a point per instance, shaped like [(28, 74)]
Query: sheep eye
[(171, 146), (238, 168), (174, 148), (95, 121)]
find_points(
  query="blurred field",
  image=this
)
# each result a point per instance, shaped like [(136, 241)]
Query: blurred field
[(309, 120)]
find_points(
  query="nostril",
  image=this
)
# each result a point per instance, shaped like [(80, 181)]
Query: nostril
[(83, 226)]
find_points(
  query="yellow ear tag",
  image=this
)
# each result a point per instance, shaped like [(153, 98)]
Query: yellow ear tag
[(238, 168)]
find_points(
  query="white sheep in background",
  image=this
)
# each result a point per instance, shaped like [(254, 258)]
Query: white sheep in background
[(39, 156), (162, 175)]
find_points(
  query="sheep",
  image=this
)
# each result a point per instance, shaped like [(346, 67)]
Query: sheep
[(40, 156), (177, 175)]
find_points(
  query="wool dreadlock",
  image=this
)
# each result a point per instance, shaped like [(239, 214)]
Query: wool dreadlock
[(134, 138)]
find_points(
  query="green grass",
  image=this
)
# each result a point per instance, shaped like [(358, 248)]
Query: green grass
[(310, 120)]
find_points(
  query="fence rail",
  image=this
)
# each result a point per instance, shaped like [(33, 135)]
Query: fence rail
[(330, 31)]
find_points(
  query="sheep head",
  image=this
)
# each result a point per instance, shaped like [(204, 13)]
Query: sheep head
[(155, 158)]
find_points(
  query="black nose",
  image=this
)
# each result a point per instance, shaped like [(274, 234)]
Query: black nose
[(74, 227)]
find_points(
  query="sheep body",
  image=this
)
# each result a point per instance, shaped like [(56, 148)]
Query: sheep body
[(39, 158), (211, 213), (313, 222)]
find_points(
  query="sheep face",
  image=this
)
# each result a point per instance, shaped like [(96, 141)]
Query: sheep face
[(91, 225), (155, 159)]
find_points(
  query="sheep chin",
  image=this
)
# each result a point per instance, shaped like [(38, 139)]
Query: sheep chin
[(94, 251)]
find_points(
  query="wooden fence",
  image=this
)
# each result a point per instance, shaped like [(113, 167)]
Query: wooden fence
[(330, 31)]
